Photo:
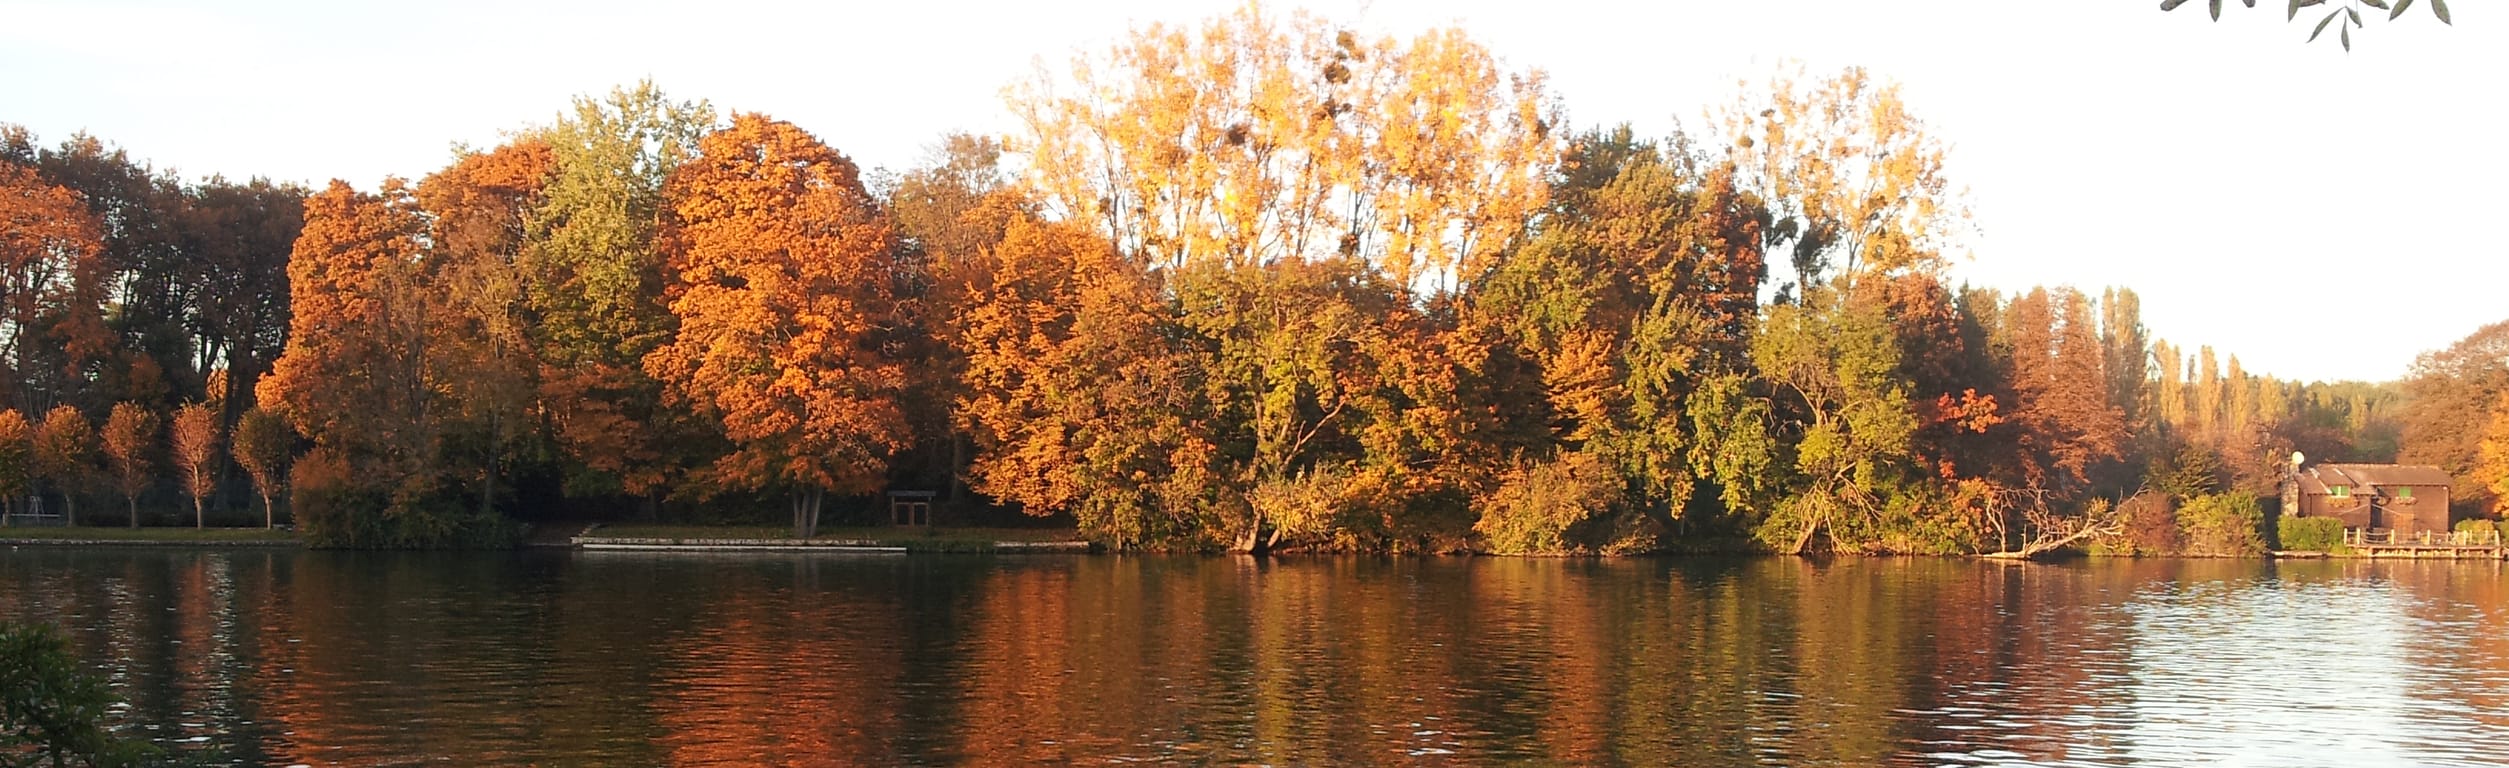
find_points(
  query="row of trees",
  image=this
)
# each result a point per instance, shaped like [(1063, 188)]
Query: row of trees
[(1261, 281), (65, 456)]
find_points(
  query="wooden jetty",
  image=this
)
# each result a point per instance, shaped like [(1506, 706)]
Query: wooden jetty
[(2460, 545)]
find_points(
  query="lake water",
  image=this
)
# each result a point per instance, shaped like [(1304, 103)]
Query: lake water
[(554, 658)]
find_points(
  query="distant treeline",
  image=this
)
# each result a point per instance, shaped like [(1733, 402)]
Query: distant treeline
[(1258, 282)]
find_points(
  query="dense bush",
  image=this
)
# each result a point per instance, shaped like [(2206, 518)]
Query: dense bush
[(51, 711), (1537, 507), (338, 510), (2478, 528), (2309, 534), (2222, 525)]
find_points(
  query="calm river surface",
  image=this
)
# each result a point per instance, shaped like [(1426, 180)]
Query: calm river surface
[(322, 658)]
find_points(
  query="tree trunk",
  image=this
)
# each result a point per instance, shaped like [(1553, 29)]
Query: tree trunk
[(69, 509), (806, 512), (811, 526), (200, 516), (133, 501), (269, 519), (1252, 544)]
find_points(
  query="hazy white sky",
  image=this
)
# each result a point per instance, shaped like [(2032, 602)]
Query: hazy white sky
[(2319, 214)]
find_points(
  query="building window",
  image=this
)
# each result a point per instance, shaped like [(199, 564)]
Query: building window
[(2405, 492), (2339, 491)]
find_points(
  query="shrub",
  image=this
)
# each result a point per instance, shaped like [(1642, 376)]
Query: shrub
[(51, 711), (2222, 525), (2309, 534), (339, 509), (1535, 506)]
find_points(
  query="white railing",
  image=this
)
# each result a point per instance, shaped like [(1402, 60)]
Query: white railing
[(2362, 537)]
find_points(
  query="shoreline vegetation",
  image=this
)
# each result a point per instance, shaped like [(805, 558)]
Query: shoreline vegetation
[(999, 541), (1277, 283)]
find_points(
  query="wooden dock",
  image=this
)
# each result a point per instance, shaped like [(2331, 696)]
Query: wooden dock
[(2457, 545)]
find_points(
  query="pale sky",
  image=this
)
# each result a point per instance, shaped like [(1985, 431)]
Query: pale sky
[(2321, 215)]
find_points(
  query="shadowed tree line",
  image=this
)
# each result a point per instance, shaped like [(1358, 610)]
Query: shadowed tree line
[(1256, 282)]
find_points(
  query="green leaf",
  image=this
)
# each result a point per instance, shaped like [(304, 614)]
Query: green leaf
[(2378, 4), (2354, 15), (2399, 11), (2296, 5), (2440, 8), (2346, 34), (2172, 5), (2217, 9), (2321, 25)]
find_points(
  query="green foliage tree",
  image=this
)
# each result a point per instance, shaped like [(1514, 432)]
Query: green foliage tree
[(52, 713), (593, 279)]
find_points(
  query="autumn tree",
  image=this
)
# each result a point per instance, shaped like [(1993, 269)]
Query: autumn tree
[(1249, 139), (370, 376), (593, 279), (2491, 460), (2125, 356), (65, 451), (130, 437), (1639, 285), (1844, 414), (138, 211), (1076, 392), (780, 266), (481, 355), (262, 446), (1853, 182), (52, 288), (2066, 425), (2446, 392), (195, 441), (239, 236), (17, 461), (950, 212)]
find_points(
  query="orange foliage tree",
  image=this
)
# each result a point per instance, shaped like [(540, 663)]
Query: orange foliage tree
[(17, 460), (130, 439), (356, 377), (780, 266), (195, 431), (481, 353), (52, 283), (263, 443), (1076, 397), (65, 451)]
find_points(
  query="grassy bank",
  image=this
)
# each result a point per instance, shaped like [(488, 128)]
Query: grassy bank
[(965, 540), (107, 535)]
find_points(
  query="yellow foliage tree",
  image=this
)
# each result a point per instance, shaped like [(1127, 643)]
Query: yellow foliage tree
[(2491, 466), (1249, 139), (1852, 180)]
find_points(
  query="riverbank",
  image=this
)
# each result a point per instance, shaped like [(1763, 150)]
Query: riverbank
[(62, 536), (866, 540)]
